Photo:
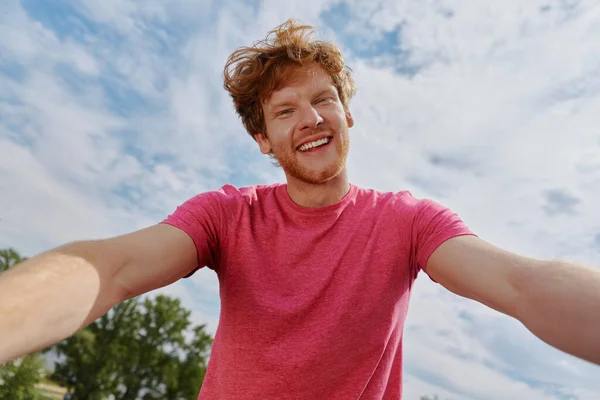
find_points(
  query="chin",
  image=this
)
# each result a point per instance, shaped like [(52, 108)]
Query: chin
[(313, 174), (316, 177)]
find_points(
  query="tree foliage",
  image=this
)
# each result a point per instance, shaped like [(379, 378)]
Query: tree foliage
[(18, 378), (142, 349), (8, 258)]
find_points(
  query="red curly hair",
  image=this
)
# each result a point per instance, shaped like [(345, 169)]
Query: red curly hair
[(252, 74)]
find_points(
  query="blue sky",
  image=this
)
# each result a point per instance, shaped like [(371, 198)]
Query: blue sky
[(112, 113)]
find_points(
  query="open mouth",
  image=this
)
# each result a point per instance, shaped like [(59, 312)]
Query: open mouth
[(312, 146)]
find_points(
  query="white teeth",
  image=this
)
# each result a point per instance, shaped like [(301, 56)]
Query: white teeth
[(316, 143)]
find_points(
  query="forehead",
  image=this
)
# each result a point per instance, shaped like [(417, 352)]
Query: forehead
[(301, 81)]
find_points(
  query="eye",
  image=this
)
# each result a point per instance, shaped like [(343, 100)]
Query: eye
[(324, 100), (284, 112)]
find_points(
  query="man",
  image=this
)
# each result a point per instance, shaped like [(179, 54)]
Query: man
[(315, 275)]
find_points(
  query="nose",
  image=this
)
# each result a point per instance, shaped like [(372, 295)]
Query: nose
[(310, 118)]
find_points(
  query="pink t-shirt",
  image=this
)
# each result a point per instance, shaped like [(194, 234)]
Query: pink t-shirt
[(313, 300)]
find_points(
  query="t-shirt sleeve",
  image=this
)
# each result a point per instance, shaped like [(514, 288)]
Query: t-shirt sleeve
[(202, 217), (433, 224)]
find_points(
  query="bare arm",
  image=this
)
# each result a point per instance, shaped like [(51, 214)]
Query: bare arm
[(559, 302), (52, 295)]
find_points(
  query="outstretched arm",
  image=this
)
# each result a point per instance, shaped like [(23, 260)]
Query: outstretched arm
[(557, 301), (49, 297)]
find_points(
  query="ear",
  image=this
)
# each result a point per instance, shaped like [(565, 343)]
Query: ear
[(263, 143), (349, 119)]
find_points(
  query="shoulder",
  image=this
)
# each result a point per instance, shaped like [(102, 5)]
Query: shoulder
[(230, 197), (221, 205), (402, 200), (406, 208), (248, 195), (255, 192)]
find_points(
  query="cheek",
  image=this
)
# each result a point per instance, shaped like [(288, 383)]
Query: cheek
[(285, 135), (280, 143), (278, 130), (337, 116)]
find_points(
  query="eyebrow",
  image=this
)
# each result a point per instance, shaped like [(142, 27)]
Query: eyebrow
[(285, 103), (329, 89)]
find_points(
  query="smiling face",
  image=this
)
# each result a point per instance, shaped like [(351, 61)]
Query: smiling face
[(307, 127)]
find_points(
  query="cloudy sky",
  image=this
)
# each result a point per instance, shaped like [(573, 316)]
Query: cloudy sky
[(112, 113)]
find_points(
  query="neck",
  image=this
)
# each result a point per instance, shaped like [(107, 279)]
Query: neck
[(318, 195)]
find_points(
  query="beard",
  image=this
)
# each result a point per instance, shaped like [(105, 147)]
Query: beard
[(288, 159)]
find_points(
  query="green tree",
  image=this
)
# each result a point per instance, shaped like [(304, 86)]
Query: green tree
[(18, 378), (142, 349), (8, 258)]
